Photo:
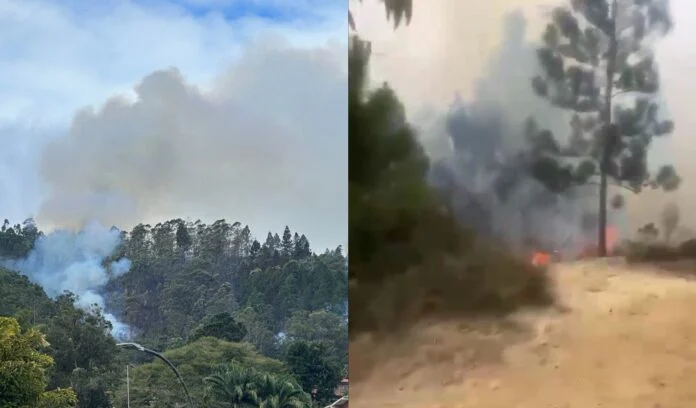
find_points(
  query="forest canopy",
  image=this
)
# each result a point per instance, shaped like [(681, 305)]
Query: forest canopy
[(208, 296)]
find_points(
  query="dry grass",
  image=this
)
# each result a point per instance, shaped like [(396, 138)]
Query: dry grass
[(625, 339)]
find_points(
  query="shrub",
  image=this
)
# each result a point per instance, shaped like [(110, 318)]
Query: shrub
[(477, 280), (644, 252)]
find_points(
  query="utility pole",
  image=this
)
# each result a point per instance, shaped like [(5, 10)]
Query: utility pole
[(136, 346), (127, 385)]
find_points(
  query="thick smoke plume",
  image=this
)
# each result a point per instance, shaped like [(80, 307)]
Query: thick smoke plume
[(75, 261), (268, 134), (475, 146)]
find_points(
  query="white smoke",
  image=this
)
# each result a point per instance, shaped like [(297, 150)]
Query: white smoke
[(65, 260)]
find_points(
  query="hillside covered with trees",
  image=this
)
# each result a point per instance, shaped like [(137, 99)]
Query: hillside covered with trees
[(244, 321)]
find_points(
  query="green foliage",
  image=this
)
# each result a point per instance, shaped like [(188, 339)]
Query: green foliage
[(83, 350), (222, 326), (23, 299), (315, 369), (58, 398), (572, 58), (237, 386), (322, 327), (182, 272), (16, 241), (386, 175), (23, 370), (155, 382), (188, 281)]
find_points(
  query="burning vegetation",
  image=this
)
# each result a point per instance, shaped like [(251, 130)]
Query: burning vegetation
[(517, 167)]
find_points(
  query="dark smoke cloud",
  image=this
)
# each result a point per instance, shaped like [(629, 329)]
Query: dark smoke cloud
[(481, 171)]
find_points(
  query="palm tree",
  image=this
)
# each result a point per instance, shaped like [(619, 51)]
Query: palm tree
[(233, 386), (399, 10), (280, 393)]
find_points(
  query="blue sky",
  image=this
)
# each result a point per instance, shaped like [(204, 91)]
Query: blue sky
[(128, 111), (281, 11)]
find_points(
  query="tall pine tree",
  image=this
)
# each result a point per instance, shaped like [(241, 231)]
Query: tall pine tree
[(597, 62), (286, 244)]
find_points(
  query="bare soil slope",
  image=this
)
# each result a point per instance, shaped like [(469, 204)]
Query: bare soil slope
[(623, 337)]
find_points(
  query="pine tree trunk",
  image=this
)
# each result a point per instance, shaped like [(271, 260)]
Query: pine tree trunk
[(602, 241), (606, 120)]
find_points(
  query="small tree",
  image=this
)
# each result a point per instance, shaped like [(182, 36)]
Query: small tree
[(594, 51), (670, 220), (648, 232), (222, 326), (314, 368)]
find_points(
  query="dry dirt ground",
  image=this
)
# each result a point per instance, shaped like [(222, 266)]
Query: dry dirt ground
[(622, 337)]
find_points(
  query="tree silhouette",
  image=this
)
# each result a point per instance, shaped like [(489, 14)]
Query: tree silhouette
[(397, 10)]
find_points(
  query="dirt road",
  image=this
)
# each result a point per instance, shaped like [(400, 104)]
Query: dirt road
[(622, 338)]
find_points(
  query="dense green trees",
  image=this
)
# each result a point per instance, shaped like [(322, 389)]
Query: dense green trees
[(387, 169), (182, 272), (315, 368), (204, 294), (154, 382), (16, 241), (23, 370), (83, 354), (598, 63), (220, 325), (83, 350)]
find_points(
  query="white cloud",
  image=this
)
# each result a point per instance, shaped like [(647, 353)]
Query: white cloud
[(252, 128)]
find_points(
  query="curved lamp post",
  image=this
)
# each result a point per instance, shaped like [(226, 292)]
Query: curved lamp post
[(138, 347)]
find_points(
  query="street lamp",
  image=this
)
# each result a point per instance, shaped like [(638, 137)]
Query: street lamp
[(138, 347)]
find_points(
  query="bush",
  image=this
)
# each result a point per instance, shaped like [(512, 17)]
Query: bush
[(636, 251), (477, 280), (687, 249)]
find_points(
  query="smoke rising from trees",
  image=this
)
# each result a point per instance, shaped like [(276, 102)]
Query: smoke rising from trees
[(64, 260)]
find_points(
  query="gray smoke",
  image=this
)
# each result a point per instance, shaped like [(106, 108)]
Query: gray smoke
[(64, 260), (475, 146), (268, 134)]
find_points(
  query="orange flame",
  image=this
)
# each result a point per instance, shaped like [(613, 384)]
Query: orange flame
[(612, 237), (541, 259)]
